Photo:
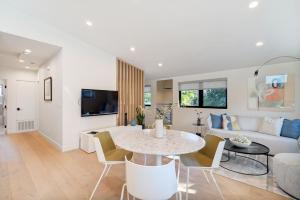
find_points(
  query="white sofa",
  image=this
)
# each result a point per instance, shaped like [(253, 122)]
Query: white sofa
[(286, 169), (249, 127)]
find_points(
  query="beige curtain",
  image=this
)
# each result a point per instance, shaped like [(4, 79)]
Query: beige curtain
[(130, 84)]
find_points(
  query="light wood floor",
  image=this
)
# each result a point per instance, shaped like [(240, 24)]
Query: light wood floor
[(31, 168)]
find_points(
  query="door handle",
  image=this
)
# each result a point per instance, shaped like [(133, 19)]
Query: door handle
[(18, 109)]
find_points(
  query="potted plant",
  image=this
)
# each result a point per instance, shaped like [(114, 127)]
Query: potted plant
[(161, 119), (140, 116)]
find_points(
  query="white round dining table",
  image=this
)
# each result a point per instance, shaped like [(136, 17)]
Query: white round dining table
[(173, 143)]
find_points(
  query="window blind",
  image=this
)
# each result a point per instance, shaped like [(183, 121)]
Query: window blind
[(189, 86), (201, 85), (214, 84)]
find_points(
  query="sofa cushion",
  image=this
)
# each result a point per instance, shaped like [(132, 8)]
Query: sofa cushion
[(271, 126), (216, 121), (230, 123), (276, 144), (291, 128), (249, 123)]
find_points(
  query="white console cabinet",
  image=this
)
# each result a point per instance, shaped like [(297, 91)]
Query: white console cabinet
[(87, 138)]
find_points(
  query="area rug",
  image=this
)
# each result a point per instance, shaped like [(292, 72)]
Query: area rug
[(237, 163)]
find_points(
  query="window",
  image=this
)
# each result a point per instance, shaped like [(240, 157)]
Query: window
[(203, 94), (189, 98), (147, 95)]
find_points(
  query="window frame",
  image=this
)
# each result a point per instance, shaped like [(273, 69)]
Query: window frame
[(189, 106), (201, 101), (215, 107)]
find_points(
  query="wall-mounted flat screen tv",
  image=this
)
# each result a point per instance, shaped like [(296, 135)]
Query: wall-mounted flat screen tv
[(98, 102)]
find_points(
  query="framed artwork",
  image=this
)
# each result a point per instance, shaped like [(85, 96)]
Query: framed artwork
[(48, 89), (272, 92)]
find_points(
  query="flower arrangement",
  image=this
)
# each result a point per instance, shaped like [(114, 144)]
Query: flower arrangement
[(163, 111), (140, 115), (198, 113)]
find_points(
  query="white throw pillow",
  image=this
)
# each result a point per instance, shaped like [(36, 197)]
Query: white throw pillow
[(271, 126)]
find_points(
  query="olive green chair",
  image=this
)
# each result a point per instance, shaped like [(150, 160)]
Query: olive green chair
[(108, 154), (207, 158)]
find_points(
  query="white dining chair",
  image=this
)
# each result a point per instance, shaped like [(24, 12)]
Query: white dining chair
[(108, 154), (151, 182), (206, 159)]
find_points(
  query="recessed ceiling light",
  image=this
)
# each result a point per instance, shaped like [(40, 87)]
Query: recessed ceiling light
[(27, 51), (160, 64), (27, 67), (89, 23), (132, 49), (253, 4), (21, 60), (259, 44)]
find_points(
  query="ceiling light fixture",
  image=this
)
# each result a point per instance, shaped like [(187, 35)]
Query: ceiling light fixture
[(27, 67), (89, 23), (132, 49), (160, 64), (21, 60), (253, 4), (27, 51), (259, 44)]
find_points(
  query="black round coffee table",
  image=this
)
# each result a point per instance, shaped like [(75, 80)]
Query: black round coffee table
[(254, 149)]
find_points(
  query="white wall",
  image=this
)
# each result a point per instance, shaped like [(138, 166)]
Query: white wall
[(50, 112), (83, 66), (94, 70), (237, 94), (11, 76)]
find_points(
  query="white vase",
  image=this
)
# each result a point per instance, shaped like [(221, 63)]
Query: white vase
[(159, 128)]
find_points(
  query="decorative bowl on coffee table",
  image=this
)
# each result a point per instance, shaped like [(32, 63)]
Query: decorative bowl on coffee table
[(240, 141)]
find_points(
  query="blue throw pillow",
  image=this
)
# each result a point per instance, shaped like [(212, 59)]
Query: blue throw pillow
[(291, 128), (216, 121)]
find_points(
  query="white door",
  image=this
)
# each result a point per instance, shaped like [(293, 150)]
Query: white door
[(27, 106), (3, 107)]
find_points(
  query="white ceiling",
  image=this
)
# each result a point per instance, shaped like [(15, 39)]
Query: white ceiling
[(12, 47), (193, 36)]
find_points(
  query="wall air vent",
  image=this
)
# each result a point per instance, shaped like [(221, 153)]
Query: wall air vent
[(25, 125)]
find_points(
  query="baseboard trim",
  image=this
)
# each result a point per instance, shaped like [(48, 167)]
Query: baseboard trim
[(54, 143), (70, 148)]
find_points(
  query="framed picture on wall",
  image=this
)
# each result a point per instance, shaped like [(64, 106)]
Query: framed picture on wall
[(48, 89)]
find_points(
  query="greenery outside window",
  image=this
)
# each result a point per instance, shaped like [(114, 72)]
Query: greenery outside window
[(147, 95), (189, 98), (203, 94)]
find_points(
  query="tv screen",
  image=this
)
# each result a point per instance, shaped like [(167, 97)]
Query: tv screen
[(98, 102)]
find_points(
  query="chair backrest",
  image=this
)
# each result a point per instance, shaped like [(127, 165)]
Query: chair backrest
[(151, 182), (213, 149), (103, 144)]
